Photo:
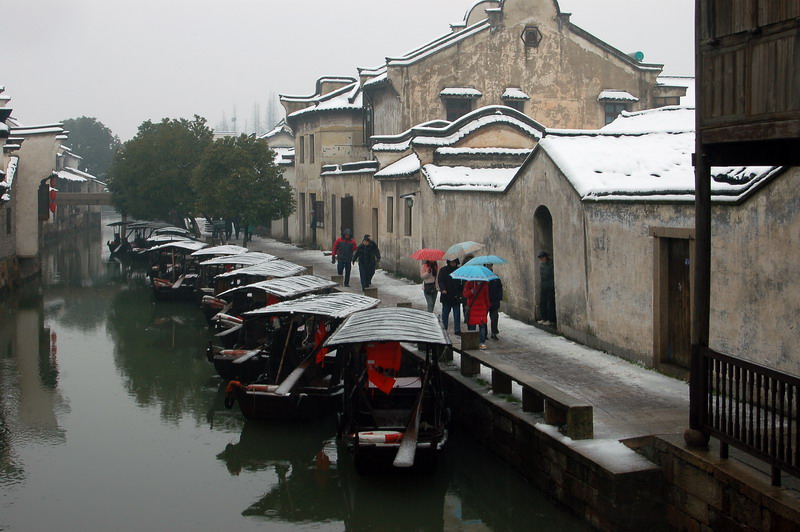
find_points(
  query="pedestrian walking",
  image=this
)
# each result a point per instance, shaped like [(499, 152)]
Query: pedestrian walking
[(368, 255), (450, 291), (428, 271), (547, 287), (342, 251), (476, 303), (495, 297)]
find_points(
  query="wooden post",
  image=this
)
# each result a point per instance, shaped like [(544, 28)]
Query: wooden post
[(470, 340), (470, 366), (371, 292), (531, 401), (309, 269), (338, 279), (501, 383)]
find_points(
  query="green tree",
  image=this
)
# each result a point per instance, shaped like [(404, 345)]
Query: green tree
[(150, 176), (94, 142), (238, 177)]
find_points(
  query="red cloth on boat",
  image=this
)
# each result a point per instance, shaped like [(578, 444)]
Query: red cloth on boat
[(383, 363), (319, 338)]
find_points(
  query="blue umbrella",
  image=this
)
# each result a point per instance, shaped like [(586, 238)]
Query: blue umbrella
[(474, 273), (485, 259)]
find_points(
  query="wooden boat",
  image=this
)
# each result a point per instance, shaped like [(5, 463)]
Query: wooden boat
[(262, 294), (211, 267), (300, 379), (120, 245), (173, 271), (394, 414)]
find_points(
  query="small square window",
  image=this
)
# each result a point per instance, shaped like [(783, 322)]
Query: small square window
[(531, 36), (613, 109), (519, 105), (457, 107)]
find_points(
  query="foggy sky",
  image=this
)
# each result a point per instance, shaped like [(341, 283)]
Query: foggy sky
[(127, 61)]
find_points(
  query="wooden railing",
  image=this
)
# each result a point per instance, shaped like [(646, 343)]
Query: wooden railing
[(753, 408)]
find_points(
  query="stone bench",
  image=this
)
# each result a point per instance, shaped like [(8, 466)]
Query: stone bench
[(559, 407)]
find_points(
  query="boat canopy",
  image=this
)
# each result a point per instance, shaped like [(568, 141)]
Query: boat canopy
[(390, 324), (286, 287), (335, 305), (168, 237), (218, 251), (181, 245), (171, 230), (242, 259), (270, 268)]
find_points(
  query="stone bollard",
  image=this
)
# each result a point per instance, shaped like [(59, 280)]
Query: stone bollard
[(470, 340), (338, 279), (404, 304), (309, 270), (470, 366), (371, 292)]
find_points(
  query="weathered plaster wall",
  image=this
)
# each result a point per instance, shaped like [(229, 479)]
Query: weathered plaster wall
[(563, 75), (37, 158), (754, 274), (362, 188)]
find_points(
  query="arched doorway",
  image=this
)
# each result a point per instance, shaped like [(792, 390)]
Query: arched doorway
[(545, 281)]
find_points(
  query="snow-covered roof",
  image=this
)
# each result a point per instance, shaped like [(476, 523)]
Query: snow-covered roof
[(281, 127), (513, 93), (407, 166), (376, 80), (483, 151), (460, 92), (613, 95), (345, 98), (468, 179), (471, 122), (680, 81), (68, 175), (38, 130), (672, 119), (284, 156), (438, 44), (356, 167), (623, 162)]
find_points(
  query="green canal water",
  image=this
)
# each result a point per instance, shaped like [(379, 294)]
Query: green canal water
[(112, 419)]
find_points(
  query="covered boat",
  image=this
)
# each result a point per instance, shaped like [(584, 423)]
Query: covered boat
[(210, 267), (394, 414), (173, 271), (262, 294), (299, 378)]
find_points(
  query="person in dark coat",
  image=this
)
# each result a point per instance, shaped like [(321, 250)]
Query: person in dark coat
[(367, 254), (495, 297), (451, 295), (547, 287), (342, 251)]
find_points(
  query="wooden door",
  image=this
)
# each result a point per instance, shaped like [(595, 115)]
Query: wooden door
[(679, 341), (347, 214)]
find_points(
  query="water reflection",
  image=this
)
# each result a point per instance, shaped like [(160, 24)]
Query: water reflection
[(106, 390)]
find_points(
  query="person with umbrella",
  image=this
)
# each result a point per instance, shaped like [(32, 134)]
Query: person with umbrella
[(476, 301), (450, 295), (428, 271), (367, 255)]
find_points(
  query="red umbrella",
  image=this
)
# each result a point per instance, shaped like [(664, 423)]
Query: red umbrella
[(428, 254)]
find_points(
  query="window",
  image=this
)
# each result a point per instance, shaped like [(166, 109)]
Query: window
[(519, 105), (301, 151), (531, 36), (409, 206), (457, 107), (613, 109), (319, 211), (390, 214), (311, 148)]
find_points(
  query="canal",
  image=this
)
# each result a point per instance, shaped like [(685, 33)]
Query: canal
[(111, 418)]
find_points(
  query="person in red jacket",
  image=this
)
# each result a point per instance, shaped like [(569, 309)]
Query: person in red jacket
[(476, 299), (342, 251)]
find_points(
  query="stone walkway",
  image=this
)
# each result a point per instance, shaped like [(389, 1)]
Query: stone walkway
[(628, 400)]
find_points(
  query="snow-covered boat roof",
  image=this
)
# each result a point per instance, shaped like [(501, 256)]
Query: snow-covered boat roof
[(241, 259), (168, 237), (335, 305), (286, 287), (468, 179), (645, 156), (269, 268), (171, 230), (223, 250), (389, 324), (182, 245)]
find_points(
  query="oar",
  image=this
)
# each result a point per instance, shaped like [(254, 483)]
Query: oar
[(289, 382), (247, 356), (408, 445), (289, 334)]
